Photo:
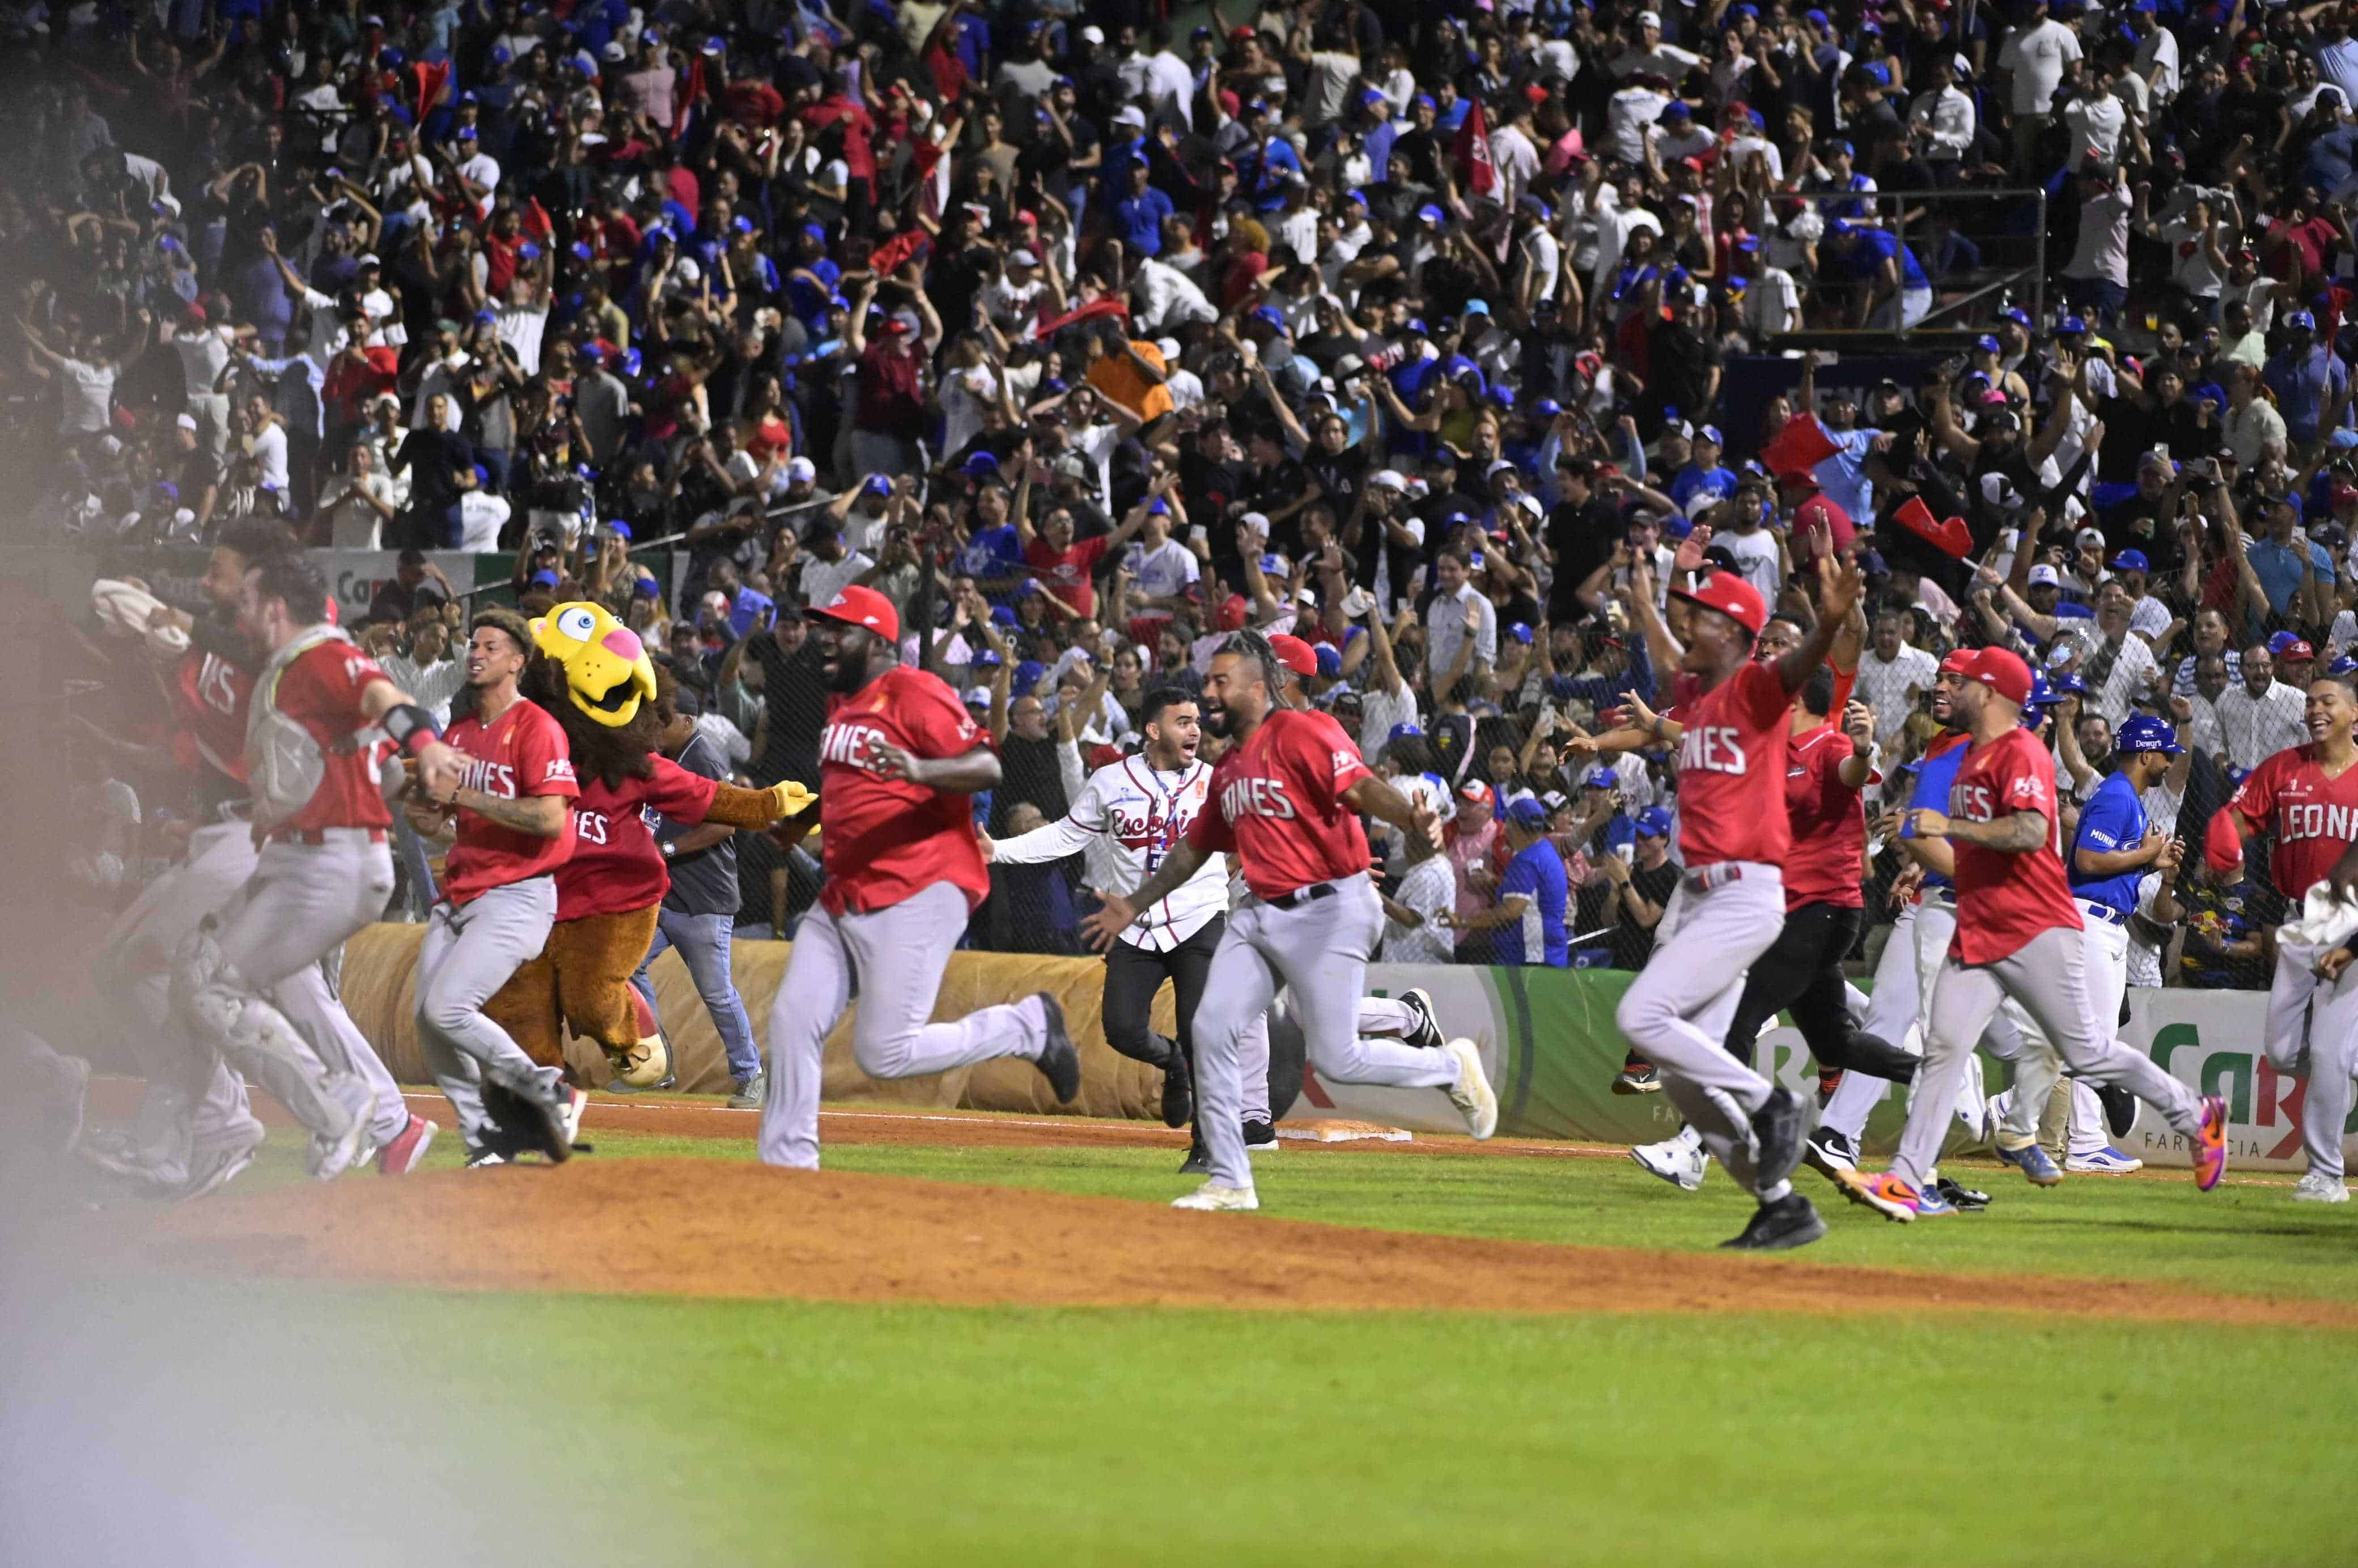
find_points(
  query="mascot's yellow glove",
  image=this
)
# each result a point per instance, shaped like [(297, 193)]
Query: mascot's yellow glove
[(792, 797)]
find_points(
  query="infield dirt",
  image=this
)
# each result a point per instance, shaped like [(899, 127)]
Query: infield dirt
[(735, 1229)]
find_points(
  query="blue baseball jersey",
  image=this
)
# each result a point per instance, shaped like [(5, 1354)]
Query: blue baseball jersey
[(1537, 875), (1934, 774), (2114, 819)]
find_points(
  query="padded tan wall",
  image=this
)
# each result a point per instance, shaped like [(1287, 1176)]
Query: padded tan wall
[(380, 965)]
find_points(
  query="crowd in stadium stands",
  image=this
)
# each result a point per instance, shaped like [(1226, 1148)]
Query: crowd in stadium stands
[(1442, 337)]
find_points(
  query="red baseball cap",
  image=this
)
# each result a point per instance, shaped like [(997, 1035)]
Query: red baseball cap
[(2297, 653), (2003, 673), (1295, 654), (863, 607), (1728, 593), (1959, 662), (1231, 615)]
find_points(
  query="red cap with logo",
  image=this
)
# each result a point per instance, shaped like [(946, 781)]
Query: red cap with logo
[(1295, 654), (863, 607), (1728, 593), (2003, 673), (1959, 662)]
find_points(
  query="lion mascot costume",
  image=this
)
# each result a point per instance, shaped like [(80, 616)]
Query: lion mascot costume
[(593, 675)]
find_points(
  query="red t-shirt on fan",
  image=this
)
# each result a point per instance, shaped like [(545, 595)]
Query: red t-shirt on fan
[(523, 752), (320, 689), (2315, 816), (1277, 801), (1828, 823), (2004, 899), (888, 839), (616, 864), (1731, 771)]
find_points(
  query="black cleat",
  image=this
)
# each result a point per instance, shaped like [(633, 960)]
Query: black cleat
[(1792, 1221), (1427, 1034), (1779, 1127), (1178, 1091), (1259, 1137), (1638, 1078), (1830, 1152), (1198, 1162), (1058, 1062), (2120, 1109), (1964, 1200)]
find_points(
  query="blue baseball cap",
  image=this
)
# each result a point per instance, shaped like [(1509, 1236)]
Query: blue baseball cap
[(1520, 632), (1330, 659), (544, 578), (1601, 778), (2281, 640), (2069, 326), (1709, 432), (2016, 315), (1527, 813), (1027, 675), (2146, 734), (2301, 319), (2067, 683), (1986, 343), (2130, 561), (877, 485), (978, 464), (1674, 110), (1653, 823), (1431, 214), (1402, 731), (619, 526)]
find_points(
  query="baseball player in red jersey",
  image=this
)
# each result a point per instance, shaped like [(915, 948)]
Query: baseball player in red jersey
[(1733, 837), (195, 1129), (509, 799), (1285, 799), (897, 761), (2309, 795), (2019, 935), (324, 872)]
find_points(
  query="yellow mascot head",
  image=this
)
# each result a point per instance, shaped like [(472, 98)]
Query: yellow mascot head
[(607, 671)]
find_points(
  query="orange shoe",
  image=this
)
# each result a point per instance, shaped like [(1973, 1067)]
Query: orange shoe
[(2210, 1144), (1884, 1193)]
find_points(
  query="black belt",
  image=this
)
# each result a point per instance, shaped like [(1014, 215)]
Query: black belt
[(1300, 896)]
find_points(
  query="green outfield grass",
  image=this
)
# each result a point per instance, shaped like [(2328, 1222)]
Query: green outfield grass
[(774, 1433), (673, 1429)]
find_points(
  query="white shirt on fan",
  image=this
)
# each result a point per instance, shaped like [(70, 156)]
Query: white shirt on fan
[(1135, 813)]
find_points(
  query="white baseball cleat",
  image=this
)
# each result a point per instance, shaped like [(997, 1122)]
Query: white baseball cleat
[(1472, 1093), (331, 1157), (1212, 1196), (2106, 1162), (576, 1102), (2319, 1187), (1679, 1161)]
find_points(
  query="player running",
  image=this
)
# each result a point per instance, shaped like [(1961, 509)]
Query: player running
[(1733, 837), (1285, 797), (2309, 794), (897, 761), (509, 800), (2020, 935), (323, 870)]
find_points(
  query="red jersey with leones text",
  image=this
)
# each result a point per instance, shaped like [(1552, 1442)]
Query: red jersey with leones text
[(2006, 899), (209, 695), (320, 689), (521, 753), (1828, 823), (2315, 816), (1731, 771), (615, 865), (889, 839), (1277, 801)]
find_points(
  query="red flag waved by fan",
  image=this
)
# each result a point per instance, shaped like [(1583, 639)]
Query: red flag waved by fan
[(1473, 152), (1801, 444), (1949, 535)]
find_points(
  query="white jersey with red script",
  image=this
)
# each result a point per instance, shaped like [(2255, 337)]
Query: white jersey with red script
[(887, 840), (1731, 771), (1141, 811), (1277, 801), (2006, 899), (523, 752)]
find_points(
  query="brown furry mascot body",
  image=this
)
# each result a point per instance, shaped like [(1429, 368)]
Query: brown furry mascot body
[(609, 893)]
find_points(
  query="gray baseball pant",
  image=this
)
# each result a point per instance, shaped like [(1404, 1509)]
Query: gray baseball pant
[(1905, 977), (470, 950), (1320, 949), (2050, 976), (895, 957), (302, 904), (1677, 1012), (2306, 1016), (192, 1102)]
